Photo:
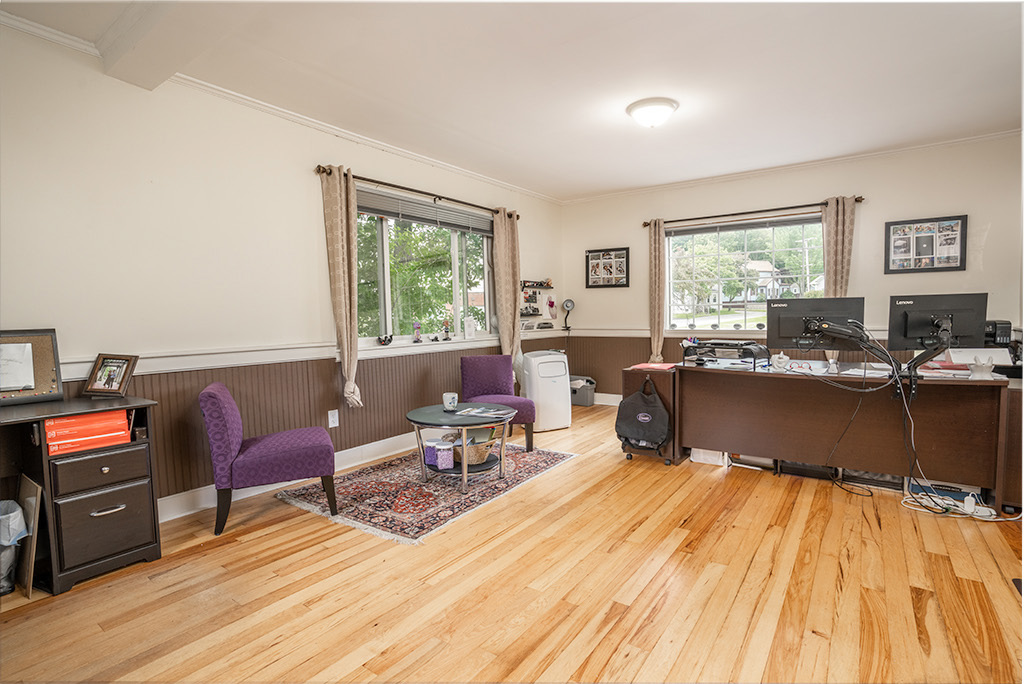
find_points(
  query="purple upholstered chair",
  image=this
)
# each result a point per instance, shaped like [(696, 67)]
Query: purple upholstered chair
[(278, 457), (489, 378)]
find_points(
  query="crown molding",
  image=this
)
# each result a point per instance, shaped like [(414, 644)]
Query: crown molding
[(88, 48), (49, 34), (317, 125)]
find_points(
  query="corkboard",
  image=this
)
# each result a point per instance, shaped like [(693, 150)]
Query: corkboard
[(46, 385)]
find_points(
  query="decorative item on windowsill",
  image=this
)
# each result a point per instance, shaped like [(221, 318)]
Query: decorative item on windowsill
[(416, 332), (446, 337), (384, 341)]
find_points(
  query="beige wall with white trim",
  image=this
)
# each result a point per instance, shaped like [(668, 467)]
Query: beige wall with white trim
[(980, 178), (173, 221)]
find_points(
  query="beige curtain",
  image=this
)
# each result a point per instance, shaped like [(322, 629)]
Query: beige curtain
[(339, 190), (837, 222), (506, 283), (657, 289)]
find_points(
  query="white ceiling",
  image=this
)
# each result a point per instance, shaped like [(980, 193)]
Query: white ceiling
[(534, 95)]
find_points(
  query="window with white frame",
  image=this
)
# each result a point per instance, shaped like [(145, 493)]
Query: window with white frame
[(720, 276), (419, 263)]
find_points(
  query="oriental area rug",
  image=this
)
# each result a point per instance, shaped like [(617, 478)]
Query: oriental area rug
[(387, 499)]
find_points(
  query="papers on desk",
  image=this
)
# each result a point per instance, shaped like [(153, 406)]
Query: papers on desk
[(926, 372), (874, 370), (651, 366), (734, 364), (999, 355)]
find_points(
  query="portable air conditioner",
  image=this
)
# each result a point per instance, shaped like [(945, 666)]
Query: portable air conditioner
[(546, 382)]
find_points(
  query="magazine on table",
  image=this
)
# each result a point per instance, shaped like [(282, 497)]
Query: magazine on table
[(486, 412)]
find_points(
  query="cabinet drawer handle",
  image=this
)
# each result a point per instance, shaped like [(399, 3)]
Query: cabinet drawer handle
[(108, 511), (105, 469)]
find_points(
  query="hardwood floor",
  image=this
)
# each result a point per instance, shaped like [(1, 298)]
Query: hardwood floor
[(602, 569)]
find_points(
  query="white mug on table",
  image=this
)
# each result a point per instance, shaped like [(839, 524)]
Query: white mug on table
[(449, 400)]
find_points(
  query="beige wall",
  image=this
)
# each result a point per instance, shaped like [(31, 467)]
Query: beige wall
[(177, 222), (981, 178)]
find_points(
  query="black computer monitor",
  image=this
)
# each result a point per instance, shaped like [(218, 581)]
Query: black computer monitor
[(937, 322), (822, 323)]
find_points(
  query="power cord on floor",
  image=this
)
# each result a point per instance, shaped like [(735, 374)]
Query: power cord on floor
[(970, 507)]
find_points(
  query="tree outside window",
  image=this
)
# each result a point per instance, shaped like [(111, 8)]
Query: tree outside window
[(412, 272), (720, 277)]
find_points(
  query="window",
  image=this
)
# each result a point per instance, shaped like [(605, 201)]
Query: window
[(721, 276), (420, 263)]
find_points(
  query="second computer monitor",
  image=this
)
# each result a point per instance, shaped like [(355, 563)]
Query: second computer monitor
[(795, 323), (937, 320)]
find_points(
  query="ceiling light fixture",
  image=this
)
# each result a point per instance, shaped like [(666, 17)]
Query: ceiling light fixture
[(652, 111)]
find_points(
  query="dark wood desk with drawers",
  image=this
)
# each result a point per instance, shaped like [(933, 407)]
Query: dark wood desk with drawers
[(960, 426), (99, 510)]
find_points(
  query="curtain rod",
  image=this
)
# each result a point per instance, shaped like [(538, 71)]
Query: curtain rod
[(325, 169), (754, 211)]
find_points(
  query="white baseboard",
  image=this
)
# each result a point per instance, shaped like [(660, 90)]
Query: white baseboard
[(607, 399), (194, 500)]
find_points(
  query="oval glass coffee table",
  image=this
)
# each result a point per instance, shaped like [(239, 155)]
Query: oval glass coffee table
[(466, 416)]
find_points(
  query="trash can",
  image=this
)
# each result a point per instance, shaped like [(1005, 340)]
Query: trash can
[(12, 530), (546, 383), (582, 388)]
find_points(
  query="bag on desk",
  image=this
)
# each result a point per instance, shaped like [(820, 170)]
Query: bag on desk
[(642, 420)]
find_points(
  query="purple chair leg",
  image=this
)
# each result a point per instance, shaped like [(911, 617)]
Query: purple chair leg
[(529, 436), (332, 498), (223, 506)]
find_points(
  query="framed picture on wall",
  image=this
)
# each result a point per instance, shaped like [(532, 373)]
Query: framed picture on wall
[(926, 245), (608, 267)]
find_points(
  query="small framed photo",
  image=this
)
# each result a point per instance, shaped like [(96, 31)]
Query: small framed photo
[(608, 267), (109, 376), (926, 245)]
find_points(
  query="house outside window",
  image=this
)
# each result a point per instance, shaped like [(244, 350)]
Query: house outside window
[(720, 276), (421, 264)]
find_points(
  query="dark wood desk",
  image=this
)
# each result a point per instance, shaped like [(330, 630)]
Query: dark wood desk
[(99, 510), (633, 380), (959, 425)]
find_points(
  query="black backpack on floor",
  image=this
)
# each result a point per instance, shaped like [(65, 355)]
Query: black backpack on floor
[(643, 421)]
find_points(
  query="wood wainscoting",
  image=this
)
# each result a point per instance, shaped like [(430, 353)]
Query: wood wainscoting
[(282, 396)]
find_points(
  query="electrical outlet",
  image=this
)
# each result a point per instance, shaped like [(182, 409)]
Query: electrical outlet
[(332, 418)]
